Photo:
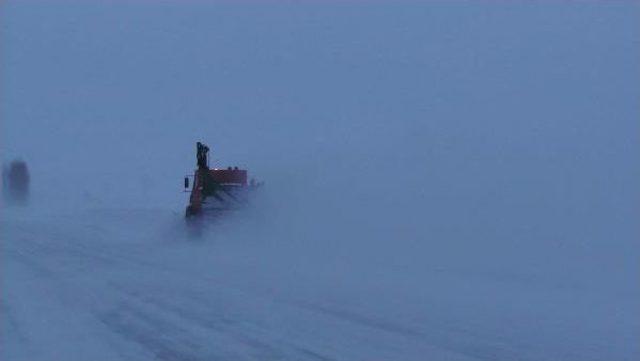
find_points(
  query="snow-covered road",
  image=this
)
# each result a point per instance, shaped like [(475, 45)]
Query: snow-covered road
[(141, 285), (81, 292)]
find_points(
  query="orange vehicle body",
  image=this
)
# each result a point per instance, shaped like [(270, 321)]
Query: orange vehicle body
[(217, 190), (229, 176)]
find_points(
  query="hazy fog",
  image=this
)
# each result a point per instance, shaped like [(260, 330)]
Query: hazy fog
[(467, 166)]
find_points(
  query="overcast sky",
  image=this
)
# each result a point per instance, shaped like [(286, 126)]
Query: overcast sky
[(491, 105)]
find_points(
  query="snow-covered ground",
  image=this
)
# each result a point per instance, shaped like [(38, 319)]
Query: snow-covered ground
[(444, 181), (118, 284)]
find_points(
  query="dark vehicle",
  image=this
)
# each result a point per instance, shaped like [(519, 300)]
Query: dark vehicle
[(15, 182)]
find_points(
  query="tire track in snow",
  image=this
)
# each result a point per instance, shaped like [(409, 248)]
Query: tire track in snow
[(256, 342), (445, 337)]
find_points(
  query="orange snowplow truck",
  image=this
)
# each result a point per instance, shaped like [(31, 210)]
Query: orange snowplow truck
[(216, 190)]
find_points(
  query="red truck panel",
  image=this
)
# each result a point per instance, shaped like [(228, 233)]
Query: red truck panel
[(238, 176)]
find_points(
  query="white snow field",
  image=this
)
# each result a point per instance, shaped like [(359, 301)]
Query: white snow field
[(117, 284), (444, 180)]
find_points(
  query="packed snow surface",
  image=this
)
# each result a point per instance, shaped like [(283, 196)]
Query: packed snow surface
[(118, 284)]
